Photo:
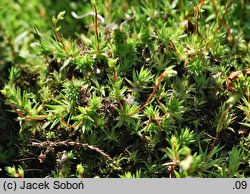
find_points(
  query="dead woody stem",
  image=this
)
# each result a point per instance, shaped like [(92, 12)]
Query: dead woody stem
[(50, 145)]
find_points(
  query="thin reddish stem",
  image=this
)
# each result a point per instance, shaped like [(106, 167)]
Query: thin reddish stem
[(154, 90), (42, 117), (224, 14), (96, 28), (69, 125)]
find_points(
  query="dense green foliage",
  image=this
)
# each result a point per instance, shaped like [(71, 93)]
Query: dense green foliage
[(130, 89)]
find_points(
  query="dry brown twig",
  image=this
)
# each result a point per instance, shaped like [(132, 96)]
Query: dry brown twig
[(51, 145)]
